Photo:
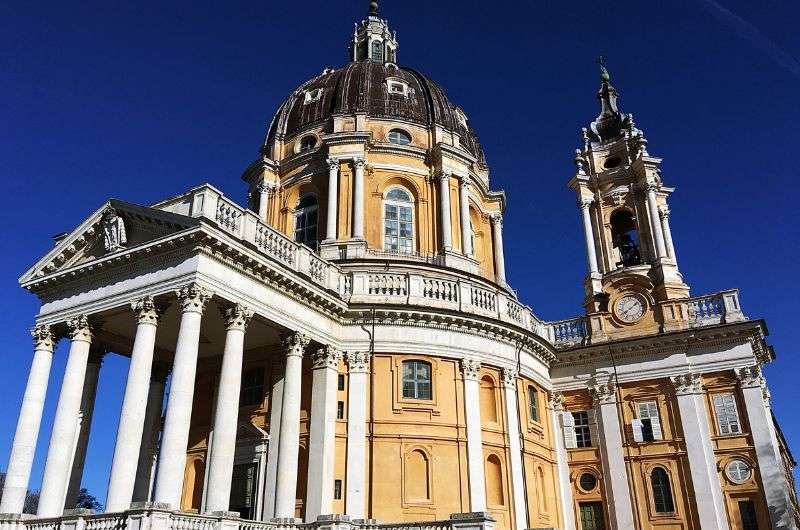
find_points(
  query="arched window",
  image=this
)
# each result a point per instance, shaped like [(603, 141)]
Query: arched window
[(417, 380), (625, 238), (416, 476), (494, 481), (488, 400), (305, 220), (399, 137), (308, 143), (377, 51), (398, 221), (662, 491)]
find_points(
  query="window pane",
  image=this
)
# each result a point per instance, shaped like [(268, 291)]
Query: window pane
[(424, 390)]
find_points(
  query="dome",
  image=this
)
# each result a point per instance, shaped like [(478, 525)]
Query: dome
[(380, 90)]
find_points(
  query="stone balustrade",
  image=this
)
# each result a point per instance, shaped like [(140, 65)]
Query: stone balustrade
[(716, 308), (154, 518)]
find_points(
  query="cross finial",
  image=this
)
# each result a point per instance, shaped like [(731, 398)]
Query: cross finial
[(604, 75)]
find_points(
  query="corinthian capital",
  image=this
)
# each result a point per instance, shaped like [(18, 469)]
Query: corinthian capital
[(751, 376), (80, 328), (687, 384), (359, 162), (663, 213), (236, 317), (585, 202), (463, 182), (265, 187), (444, 176), (557, 401), (326, 357), (357, 362), (333, 163), (43, 338), (295, 343), (604, 393), (193, 298), (509, 377), (496, 218), (470, 368), (147, 311)]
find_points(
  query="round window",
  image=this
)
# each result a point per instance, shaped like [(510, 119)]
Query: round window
[(308, 143), (612, 162), (738, 471), (399, 137), (588, 482)]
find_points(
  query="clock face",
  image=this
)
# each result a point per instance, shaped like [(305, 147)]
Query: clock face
[(629, 308)]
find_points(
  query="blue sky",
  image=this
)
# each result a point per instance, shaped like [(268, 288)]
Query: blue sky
[(143, 100)]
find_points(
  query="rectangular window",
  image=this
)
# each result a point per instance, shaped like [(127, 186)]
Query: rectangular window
[(747, 513), (398, 228), (340, 410), (727, 416), (252, 392), (243, 490), (417, 380), (340, 382), (583, 433), (648, 426), (337, 490), (592, 516), (533, 403)]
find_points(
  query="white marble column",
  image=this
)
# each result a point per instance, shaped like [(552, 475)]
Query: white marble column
[(564, 483), (275, 404), (358, 198), (134, 407), (289, 443), (768, 455), (655, 224), (23, 448), (588, 234), (172, 455), (615, 471), (322, 433), (708, 496), (470, 370), (148, 452), (514, 448), (226, 412), (62, 439), (333, 199), (663, 214), (463, 205), (84, 427), (357, 394), (499, 256), (444, 211), (263, 200)]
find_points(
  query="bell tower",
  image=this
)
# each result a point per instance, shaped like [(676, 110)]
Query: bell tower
[(633, 283)]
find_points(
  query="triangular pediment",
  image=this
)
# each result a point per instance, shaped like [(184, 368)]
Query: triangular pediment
[(113, 228)]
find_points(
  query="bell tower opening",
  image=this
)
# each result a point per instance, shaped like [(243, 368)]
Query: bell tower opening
[(625, 238)]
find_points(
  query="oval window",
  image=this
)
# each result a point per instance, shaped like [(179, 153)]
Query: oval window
[(612, 162), (738, 471), (308, 143), (588, 482), (399, 137)]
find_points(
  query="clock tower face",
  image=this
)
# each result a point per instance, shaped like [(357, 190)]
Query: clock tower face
[(629, 308)]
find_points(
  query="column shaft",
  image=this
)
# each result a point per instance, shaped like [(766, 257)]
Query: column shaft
[(333, 199), (472, 407), (172, 456), (564, 483), (588, 234), (134, 407), (143, 486), (466, 231), (499, 256), (15, 488), (615, 471), (655, 225), (664, 215), (356, 492), (62, 438), (322, 435), (275, 402), (288, 445), (514, 448), (263, 201), (226, 414), (358, 199), (444, 211)]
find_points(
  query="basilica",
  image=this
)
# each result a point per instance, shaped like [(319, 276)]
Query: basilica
[(344, 351)]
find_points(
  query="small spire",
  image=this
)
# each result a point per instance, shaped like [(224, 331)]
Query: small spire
[(608, 123), (373, 8)]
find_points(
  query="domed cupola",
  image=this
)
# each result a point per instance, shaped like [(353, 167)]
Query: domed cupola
[(610, 122)]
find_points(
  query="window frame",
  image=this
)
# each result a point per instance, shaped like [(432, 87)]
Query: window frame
[(533, 404), (304, 212), (400, 133), (415, 363), (301, 146), (666, 495), (584, 438), (727, 415), (394, 203), (244, 388), (647, 424)]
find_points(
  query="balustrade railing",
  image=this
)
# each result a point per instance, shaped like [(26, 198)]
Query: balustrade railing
[(568, 332), (716, 308)]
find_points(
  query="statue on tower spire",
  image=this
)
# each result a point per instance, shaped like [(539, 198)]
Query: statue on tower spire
[(373, 8)]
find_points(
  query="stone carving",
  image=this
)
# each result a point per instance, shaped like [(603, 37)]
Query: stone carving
[(333, 163), (585, 202), (470, 368), (236, 317), (43, 338), (80, 328), (557, 401), (357, 361), (663, 213), (326, 357), (750, 376), (359, 163), (509, 377), (687, 384), (147, 311), (193, 297), (603, 393), (580, 162), (497, 219), (114, 235), (295, 343)]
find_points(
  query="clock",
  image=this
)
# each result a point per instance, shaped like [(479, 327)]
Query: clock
[(629, 308)]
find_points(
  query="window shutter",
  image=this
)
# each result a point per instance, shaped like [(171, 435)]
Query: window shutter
[(655, 424), (593, 434), (636, 425), (568, 426)]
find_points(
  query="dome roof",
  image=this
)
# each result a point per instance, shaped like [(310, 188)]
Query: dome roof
[(363, 87)]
